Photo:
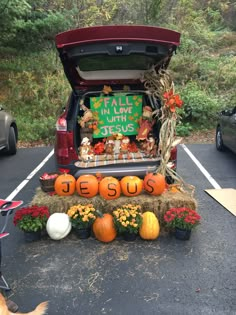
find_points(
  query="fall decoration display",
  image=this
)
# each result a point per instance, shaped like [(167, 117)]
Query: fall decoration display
[(109, 188), (87, 186), (150, 227), (65, 185), (82, 216), (103, 227), (154, 184), (131, 186), (128, 218), (58, 226), (31, 219)]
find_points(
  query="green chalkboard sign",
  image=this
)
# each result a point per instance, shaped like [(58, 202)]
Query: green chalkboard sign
[(117, 114)]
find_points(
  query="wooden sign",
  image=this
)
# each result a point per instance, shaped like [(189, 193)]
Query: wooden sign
[(116, 114)]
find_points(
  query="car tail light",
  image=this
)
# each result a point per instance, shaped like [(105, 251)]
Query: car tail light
[(65, 149), (173, 154), (61, 124)]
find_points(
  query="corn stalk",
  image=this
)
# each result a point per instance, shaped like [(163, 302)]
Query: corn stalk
[(157, 84)]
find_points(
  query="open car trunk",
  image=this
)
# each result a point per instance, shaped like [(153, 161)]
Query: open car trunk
[(117, 136), (116, 131)]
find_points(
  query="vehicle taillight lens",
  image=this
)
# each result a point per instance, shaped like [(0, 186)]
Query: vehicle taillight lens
[(173, 154), (61, 124)]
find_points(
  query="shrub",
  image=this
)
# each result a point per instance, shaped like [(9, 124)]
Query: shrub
[(200, 107)]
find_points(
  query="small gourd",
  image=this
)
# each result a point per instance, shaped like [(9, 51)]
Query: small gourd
[(150, 227)]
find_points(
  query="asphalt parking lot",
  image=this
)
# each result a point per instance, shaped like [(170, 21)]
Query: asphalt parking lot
[(165, 276)]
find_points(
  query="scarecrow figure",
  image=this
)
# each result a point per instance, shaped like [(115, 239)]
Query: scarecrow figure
[(124, 148), (146, 123), (150, 147)]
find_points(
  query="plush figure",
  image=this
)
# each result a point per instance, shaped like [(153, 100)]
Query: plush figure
[(146, 123), (109, 147), (88, 115), (124, 147), (150, 147), (117, 140), (147, 113), (86, 151), (58, 226)]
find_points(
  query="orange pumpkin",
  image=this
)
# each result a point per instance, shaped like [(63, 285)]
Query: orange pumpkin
[(104, 228), (131, 186), (87, 186), (109, 188), (65, 185), (154, 184)]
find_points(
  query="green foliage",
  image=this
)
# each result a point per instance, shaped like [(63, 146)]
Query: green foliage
[(200, 106), (10, 12), (183, 129), (36, 95), (33, 82)]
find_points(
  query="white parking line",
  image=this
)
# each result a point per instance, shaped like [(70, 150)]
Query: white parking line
[(202, 169), (25, 181)]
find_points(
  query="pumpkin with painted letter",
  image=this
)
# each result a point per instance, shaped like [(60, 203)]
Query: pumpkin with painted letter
[(131, 186), (109, 188), (65, 185), (87, 186), (154, 184)]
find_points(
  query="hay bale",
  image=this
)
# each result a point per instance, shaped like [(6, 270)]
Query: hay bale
[(157, 204)]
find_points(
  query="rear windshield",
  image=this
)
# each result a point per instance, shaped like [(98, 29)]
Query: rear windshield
[(101, 62)]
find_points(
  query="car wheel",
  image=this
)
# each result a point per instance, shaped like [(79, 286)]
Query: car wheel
[(11, 142), (219, 141)]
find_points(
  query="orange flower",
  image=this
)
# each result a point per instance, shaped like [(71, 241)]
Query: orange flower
[(172, 100)]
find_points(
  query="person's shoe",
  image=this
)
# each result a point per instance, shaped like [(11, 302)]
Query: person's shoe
[(12, 306)]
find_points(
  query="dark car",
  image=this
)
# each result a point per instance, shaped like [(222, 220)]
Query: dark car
[(8, 133), (226, 130), (107, 126)]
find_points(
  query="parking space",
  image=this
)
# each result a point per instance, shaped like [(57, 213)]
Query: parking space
[(165, 276)]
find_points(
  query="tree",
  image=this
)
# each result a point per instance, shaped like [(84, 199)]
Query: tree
[(10, 12)]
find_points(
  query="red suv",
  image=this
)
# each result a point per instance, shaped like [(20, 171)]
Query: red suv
[(108, 125)]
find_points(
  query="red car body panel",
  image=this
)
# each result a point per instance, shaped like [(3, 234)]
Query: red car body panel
[(117, 33)]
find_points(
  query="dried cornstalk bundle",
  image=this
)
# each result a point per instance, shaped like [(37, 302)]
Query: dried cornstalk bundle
[(161, 87)]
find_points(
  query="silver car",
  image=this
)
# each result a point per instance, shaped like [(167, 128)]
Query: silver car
[(8, 133), (226, 130)]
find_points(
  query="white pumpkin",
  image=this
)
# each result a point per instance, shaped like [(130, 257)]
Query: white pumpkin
[(58, 226)]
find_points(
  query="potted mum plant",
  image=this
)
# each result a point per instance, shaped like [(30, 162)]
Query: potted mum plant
[(82, 218), (182, 221), (31, 220), (128, 220)]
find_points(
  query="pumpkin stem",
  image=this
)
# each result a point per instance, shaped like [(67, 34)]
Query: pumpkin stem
[(99, 213)]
